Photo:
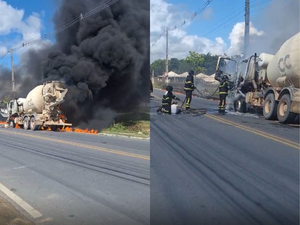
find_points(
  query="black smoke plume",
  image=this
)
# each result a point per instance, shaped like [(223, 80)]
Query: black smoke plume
[(279, 21), (103, 59)]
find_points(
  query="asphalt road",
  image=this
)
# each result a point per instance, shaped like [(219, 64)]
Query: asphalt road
[(222, 169), (74, 178)]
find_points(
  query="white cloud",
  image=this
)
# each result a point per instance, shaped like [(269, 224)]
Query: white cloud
[(3, 50), (12, 21), (207, 13), (10, 18), (163, 14), (237, 37)]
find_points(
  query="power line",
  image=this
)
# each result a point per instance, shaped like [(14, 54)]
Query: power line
[(63, 27), (176, 27), (236, 16), (231, 19)]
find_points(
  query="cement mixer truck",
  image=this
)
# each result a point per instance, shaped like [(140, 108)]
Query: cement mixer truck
[(270, 83), (40, 109)]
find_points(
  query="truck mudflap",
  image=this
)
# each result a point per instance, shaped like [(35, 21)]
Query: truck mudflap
[(295, 105)]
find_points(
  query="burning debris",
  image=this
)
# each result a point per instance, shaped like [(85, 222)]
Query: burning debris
[(67, 129), (103, 59)]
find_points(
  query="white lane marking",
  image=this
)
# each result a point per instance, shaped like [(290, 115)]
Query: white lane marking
[(29, 209)]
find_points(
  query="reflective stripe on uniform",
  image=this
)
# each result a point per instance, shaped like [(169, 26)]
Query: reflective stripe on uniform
[(222, 85)]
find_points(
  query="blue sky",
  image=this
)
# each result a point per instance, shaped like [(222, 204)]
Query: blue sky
[(43, 10), (209, 31), (216, 21), (224, 15)]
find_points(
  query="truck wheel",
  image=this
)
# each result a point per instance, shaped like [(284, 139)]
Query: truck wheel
[(12, 124), (26, 123), (269, 107), (54, 128), (284, 113), (240, 105), (33, 125)]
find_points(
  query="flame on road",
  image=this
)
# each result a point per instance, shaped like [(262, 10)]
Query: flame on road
[(66, 129), (77, 130)]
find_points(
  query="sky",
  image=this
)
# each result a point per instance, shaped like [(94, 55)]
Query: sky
[(218, 28), (21, 21)]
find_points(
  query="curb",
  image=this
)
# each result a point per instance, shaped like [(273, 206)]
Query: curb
[(124, 136)]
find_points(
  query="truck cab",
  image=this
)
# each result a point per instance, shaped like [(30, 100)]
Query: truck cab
[(12, 110)]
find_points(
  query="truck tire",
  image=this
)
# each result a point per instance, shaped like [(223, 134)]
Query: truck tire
[(54, 128), (270, 107), (284, 113), (26, 123), (12, 124), (33, 125), (240, 105)]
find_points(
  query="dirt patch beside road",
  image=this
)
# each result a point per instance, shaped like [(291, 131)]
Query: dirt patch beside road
[(9, 215)]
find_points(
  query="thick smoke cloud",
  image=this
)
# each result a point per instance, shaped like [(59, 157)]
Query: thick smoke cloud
[(269, 28), (104, 60), (279, 22)]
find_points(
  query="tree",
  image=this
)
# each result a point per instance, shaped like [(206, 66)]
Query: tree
[(173, 64), (6, 99), (210, 62), (197, 61), (184, 66), (158, 66)]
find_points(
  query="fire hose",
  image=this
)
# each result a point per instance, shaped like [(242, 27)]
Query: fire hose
[(209, 96)]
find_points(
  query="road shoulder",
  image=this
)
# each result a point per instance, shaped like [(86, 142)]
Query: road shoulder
[(9, 215)]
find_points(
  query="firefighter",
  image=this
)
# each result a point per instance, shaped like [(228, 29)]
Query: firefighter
[(189, 88), (223, 92), (167, 100)]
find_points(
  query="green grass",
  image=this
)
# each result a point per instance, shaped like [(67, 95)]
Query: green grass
[(136, 124)]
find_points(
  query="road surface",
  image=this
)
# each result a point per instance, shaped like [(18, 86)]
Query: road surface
[(222, 169), (73, 178)]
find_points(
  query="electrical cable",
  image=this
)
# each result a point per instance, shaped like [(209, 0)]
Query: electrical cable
[(184, 22), (63, 27)]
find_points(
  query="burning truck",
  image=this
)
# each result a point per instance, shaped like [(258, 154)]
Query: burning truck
[(270, 83), (40, 109)]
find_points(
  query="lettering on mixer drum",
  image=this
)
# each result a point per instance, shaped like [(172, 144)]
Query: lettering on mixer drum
[(284, 63)]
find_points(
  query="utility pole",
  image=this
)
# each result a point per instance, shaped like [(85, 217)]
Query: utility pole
[(167, 61), (12, 73), (152, 77), (246, 35)]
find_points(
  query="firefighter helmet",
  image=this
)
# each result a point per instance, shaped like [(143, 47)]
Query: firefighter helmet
[(191, 72), (225, 77), (169, 88)]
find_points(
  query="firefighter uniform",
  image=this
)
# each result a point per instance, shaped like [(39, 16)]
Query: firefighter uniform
[(189, 88), (167, 100), (223, 92)]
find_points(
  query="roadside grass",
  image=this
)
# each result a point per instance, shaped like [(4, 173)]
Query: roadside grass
[(135, 124), (10, 215)]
